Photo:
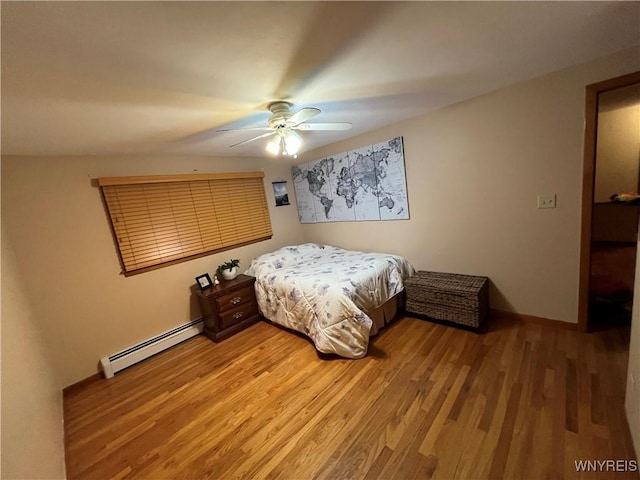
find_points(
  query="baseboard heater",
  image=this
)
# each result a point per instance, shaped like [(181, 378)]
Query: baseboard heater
[(125, 358)]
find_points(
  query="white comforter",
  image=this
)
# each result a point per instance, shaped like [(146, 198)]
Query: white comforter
[(324, 292)]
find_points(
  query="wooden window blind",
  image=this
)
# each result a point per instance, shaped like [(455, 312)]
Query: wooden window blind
[(162, 220)]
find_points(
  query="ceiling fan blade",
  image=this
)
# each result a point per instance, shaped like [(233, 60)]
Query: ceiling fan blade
[(303, 115), (254, 138), (244, 129), (324, 126)]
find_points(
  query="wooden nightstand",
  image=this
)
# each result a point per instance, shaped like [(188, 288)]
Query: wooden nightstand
[(228, 307)]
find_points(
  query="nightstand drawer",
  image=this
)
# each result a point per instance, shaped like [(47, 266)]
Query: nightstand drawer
[(228, 307), (233, 299), (238, 314)]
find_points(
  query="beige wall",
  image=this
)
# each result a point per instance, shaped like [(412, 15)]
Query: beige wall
[(618, 146), (474, 171), (32, 433), (66, 253)]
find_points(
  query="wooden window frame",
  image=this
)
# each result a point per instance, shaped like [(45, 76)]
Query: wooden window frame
[(162, 220)]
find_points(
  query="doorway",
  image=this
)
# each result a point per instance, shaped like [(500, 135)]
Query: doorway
[(609, 229)]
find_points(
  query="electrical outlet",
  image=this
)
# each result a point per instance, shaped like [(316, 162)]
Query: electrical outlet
[(546, 201)]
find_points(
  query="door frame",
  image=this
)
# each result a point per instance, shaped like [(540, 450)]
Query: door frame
[(588, 182)]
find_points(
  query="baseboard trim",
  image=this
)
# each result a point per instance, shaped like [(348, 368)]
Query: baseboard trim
[(547, 322), (96, 377)]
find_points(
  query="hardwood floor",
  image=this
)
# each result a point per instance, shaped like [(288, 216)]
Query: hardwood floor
[(519, 401)]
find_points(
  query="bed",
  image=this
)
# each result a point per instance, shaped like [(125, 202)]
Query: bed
[(338, 298)]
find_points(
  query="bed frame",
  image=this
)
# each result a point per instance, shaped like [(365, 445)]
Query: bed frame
[(386, 312)]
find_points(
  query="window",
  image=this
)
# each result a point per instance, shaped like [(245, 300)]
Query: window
[(162, 220)]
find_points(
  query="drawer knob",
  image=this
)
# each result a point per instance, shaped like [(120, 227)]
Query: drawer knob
[(236, 300), (238, 315)]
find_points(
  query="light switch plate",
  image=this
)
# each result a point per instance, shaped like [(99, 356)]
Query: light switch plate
[(546, 201)]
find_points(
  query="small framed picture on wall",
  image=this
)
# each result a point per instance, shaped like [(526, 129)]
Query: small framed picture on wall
[(280, 193)]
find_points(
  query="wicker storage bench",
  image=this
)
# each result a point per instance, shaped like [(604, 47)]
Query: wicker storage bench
[(460, 300)]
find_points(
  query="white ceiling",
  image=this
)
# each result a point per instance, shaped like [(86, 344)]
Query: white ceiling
[(94, 78)]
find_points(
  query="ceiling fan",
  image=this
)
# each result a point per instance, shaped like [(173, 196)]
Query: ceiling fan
[(282, 125)]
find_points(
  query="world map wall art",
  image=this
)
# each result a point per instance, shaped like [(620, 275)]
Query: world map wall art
[(368, 183)]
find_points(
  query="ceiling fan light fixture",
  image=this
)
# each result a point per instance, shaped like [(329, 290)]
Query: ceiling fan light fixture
[(283, 125), (273, 147), (292, 143), (285, 142)]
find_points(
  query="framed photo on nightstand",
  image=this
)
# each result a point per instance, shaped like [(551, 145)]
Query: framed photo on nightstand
[(204, 281)]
